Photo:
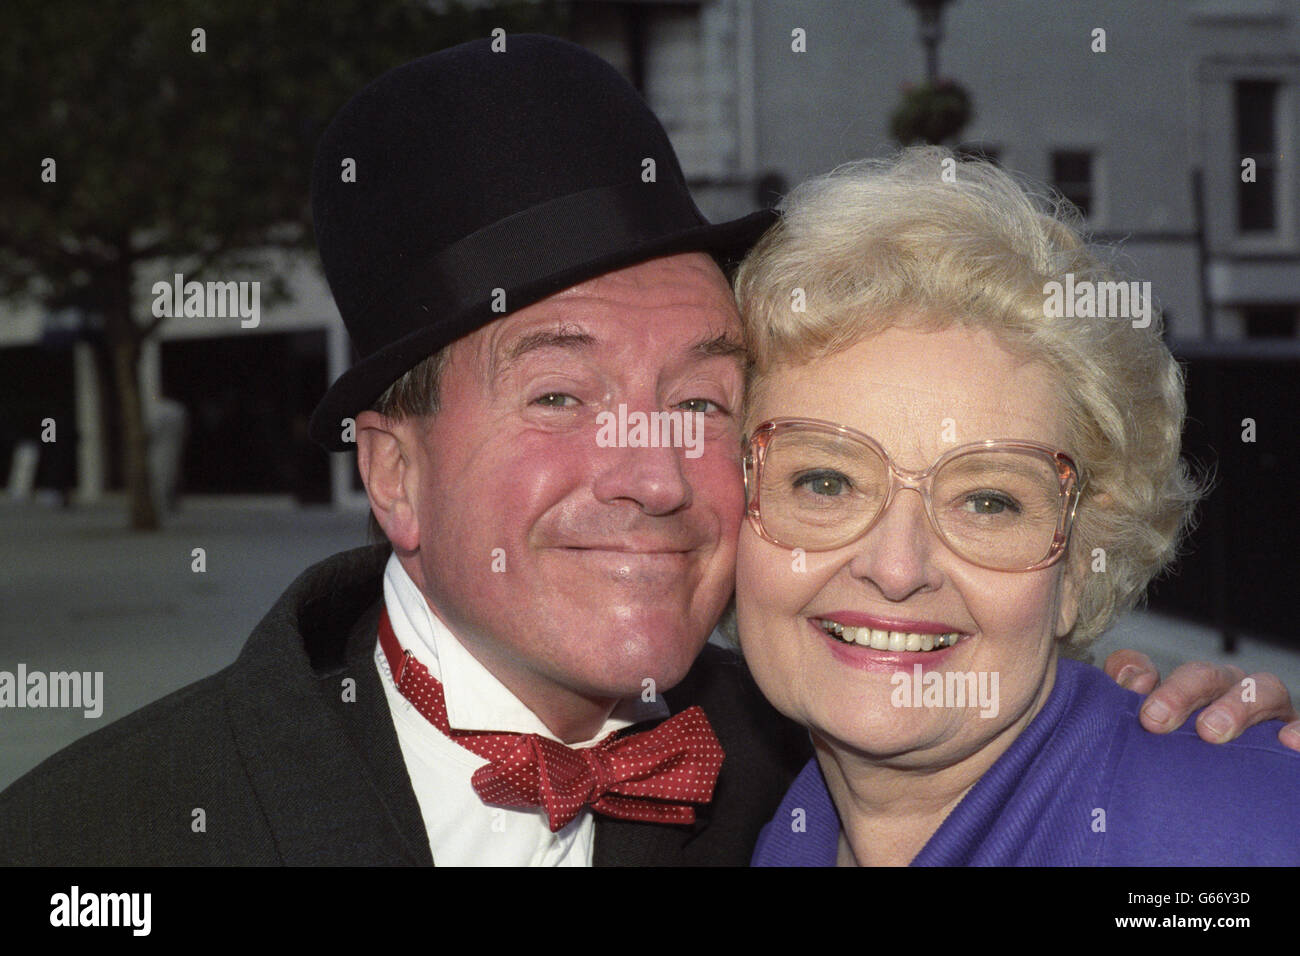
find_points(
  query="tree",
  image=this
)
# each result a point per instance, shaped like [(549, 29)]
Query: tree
[(136, 138)]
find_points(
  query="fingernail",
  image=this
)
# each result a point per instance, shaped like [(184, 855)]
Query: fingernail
[(1126, 675), (1292, 737), (1217, 721), (1157, 711)]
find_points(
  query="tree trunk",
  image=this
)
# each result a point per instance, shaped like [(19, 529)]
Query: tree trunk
[(124, 353), (135, 437)]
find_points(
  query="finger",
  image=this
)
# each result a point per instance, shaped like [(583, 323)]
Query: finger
[(1256, 698), (1190, 687), (1290, 735), (1132, 670)]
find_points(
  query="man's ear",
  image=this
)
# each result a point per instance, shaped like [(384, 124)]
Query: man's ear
[(385, 458)]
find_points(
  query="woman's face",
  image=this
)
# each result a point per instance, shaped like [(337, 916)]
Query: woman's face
[(919, 394)]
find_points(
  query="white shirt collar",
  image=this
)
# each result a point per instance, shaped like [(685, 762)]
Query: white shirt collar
[(476, 700)]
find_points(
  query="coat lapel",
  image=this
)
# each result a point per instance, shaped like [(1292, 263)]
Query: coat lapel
[(328, 772)]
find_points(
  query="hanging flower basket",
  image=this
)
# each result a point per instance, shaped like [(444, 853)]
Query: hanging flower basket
[(931, 113)]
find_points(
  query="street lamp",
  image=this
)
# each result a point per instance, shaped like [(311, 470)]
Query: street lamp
[(937, 110), (931, 15)]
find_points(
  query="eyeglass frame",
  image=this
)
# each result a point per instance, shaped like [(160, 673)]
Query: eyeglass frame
[(1068, 474)]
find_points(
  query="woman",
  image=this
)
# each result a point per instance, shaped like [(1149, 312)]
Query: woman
[(953, 482)]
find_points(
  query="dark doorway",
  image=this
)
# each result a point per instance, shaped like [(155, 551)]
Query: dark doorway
[(39, 384), (249, 399), (1243, 560)]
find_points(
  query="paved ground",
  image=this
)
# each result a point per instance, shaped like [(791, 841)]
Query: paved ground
[(78, 592)]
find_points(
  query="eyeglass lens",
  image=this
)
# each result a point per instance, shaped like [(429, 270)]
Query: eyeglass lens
[(997, 508)]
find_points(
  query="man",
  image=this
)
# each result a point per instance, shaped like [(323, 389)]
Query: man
[(510, 241)]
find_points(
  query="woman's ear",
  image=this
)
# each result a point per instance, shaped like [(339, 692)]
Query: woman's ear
[(1073, 578), (1081, 563), (386, 461)]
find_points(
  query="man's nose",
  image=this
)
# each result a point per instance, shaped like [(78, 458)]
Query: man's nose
[(651, 478), (897, 555)]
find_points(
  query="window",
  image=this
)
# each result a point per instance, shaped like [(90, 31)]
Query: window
[(1255, 103), (1270, 321), (1072, 177)]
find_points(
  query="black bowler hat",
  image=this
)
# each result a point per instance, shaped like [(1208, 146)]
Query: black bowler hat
[(480, 174)]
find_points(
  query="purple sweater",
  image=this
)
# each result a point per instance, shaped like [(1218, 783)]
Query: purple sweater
[(1171, 800)]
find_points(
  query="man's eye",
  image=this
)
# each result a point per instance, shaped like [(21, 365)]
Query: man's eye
[(698, 405), (555, 400)]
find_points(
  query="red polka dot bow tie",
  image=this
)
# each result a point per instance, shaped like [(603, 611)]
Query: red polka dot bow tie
[(651, 776)]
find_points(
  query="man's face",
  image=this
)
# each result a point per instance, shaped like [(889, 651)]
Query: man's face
[(566, 566)]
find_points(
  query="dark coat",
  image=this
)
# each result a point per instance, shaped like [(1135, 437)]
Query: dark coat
[(285, 771)]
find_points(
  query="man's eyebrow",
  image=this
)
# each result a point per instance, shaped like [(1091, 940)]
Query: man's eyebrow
[(562, 338), (724, 345)]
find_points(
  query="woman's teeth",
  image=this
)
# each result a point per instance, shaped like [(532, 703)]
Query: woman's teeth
[(888, 640)]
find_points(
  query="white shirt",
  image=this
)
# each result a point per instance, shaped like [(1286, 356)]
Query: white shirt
[(463, 830)]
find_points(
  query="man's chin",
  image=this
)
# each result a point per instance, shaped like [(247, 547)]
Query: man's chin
[(622, 660)]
